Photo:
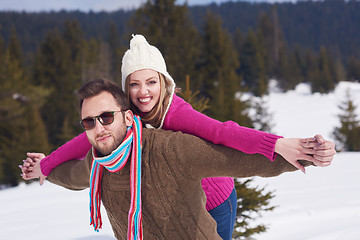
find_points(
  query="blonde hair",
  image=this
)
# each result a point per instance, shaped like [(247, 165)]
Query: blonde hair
[(155, 116)]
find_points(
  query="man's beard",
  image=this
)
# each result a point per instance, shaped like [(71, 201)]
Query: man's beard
[(116, 137)]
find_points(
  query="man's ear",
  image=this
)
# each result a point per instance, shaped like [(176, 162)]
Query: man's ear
[(129, 118)]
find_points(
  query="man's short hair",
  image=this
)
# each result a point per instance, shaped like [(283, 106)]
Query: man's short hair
[(95, 87)]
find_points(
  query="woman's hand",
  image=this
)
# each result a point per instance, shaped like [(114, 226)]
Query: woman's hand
[(31, 167), (324, 150), (316, 150)]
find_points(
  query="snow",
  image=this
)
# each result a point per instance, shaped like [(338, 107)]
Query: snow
[(31, 211), (323, 204)]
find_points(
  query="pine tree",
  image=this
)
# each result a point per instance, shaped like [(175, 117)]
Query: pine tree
[(89, 60), (299, 58), (241, 107), (51, 72), (97, 61), (105, 61), (251, 201), (115, 53), (21, 128), (338, 70), (353, 69), (73, 39), (253, 65), (277, 62), (309, 65), (271, 41), (220, 82), (238, 41), (66, 132), (58, 67), (266, 36), (167, 26), (12, 111), (199, 104), (321, 77), (36, 140), (289, 70), (222, 85), (348, 134), (262, 118)]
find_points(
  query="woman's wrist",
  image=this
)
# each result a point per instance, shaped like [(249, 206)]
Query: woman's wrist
[(279, 145)]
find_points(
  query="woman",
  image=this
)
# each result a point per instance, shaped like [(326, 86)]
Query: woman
[(150, 89)]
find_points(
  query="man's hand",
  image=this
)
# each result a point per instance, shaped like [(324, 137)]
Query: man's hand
[(315, 149), (324, 150), (31, 167)]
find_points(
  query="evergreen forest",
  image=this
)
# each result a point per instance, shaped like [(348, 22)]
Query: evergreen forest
[(223, 50)]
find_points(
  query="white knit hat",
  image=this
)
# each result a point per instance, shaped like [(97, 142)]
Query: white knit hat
[(142, 55)]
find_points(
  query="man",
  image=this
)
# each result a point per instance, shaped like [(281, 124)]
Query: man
[(165, 169)]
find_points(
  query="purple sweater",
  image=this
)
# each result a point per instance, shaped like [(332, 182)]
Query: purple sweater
[(182, 117)]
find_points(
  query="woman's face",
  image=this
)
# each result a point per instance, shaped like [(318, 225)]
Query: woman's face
[(144, 89)]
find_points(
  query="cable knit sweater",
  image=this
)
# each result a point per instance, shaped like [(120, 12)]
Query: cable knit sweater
[(173, 165), (182, 117)]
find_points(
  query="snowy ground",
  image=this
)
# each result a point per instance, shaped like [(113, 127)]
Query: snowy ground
[(324, 204)]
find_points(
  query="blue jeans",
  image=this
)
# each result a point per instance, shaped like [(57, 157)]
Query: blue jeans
[(225, 216)]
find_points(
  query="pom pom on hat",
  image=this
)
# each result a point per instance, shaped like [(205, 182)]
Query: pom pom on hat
[(137, 40), (142, 55)]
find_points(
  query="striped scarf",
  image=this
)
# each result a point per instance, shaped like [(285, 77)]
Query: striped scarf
[(113, 163)]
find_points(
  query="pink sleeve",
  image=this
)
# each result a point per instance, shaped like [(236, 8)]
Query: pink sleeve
[(76, 148), (182, 117)]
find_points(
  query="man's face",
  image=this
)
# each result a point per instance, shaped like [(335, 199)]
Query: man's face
[(105, 138)]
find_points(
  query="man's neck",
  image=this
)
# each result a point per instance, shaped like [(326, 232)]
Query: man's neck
[(99, 154)]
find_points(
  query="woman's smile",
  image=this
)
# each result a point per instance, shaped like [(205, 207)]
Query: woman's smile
[(145, 100)]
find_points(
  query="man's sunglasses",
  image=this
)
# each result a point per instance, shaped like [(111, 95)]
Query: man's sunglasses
[(105, 118)]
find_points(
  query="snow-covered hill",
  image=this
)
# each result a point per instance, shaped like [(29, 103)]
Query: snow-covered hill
[(324, 204)]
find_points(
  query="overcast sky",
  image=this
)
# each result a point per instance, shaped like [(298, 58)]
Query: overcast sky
[(87, 5)]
